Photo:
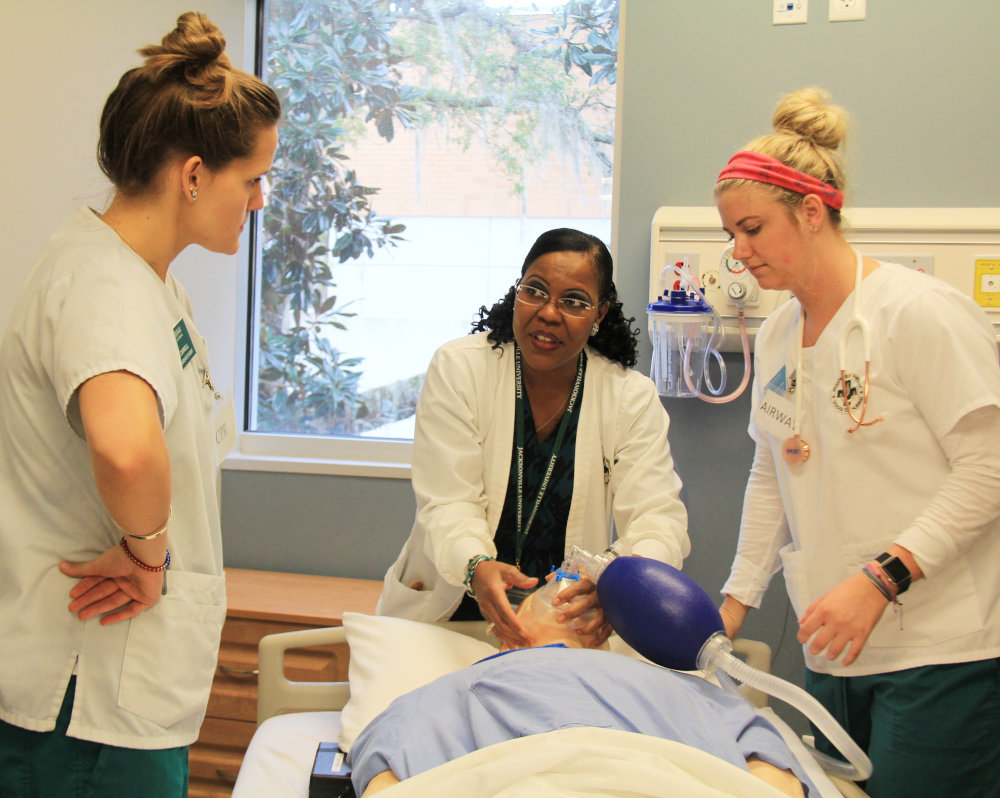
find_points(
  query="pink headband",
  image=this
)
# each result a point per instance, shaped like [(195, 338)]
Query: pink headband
[(747, 165)]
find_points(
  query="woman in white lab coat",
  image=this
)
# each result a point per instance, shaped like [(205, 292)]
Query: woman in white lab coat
[(545, 382), (876, 481), (107, 401)]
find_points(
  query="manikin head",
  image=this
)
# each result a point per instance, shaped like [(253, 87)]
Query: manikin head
[(539, 618)]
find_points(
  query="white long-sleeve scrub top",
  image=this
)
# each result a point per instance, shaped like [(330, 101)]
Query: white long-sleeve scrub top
[(92, 306), (935, 381), (624, 478)]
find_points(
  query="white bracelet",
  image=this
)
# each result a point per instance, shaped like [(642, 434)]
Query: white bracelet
[(162, 530)]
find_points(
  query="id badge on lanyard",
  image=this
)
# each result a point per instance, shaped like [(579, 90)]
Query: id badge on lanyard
[(224, 425)]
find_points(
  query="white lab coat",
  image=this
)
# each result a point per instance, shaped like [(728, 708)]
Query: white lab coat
[(624, 474), (92, 306), (933, 362)]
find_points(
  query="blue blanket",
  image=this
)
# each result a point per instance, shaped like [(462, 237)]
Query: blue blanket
[(532, 691)]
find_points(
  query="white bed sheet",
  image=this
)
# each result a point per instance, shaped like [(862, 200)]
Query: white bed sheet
[(580, 761), (280, 758)]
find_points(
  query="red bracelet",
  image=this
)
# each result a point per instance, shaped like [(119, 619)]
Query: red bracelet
[(154, 569)]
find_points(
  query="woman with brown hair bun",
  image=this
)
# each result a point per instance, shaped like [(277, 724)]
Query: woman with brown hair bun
[(107, 453)]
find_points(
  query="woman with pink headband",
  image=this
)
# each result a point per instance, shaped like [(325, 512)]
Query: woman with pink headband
[(876, 412)]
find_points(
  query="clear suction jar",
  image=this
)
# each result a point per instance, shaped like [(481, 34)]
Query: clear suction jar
[(678, 325)]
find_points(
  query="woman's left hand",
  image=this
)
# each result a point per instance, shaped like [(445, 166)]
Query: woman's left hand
[(844, 616), (111, 586), (575, 600)]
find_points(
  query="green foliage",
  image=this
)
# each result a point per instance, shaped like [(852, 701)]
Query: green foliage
[(338, 65), (488, 75), (327, 61)]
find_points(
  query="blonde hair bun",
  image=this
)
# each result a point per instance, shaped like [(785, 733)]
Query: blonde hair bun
[(810, 114), (809, 132)]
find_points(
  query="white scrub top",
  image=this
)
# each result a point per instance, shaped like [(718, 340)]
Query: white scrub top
[(933, 361), (92, 306)]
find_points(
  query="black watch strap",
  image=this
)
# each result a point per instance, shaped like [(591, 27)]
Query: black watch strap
[(895, 571)]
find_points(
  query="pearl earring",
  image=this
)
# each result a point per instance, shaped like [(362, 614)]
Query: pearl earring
[(815, 229), (594, 329)]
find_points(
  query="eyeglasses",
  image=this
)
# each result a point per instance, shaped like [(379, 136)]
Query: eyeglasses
[(535, 297)]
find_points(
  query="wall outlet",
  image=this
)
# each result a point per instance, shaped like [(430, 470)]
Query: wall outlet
[(789, 12), (986, 288), (847, 10)]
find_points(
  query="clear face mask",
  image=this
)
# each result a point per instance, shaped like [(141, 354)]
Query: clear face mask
[(542, 609)]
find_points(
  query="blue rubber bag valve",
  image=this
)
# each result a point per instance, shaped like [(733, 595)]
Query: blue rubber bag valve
[(670, 620), (659, 611)]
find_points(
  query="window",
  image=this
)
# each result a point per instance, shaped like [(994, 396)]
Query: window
[(425, 144)]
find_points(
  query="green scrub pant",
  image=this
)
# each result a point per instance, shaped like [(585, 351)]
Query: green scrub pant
[(48, 764), (930, 732)]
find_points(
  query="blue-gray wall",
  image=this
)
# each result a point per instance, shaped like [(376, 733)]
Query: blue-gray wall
[(699, 80)]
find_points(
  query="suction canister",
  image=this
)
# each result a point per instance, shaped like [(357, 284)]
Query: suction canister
[(679, 328)]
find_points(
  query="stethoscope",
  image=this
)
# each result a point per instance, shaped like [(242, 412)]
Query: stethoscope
[(796, 450)]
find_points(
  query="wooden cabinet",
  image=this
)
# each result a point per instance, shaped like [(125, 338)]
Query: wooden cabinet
[(262, 603)]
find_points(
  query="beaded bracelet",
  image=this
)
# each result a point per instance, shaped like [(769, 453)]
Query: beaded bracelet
[(470, 571), (153, 569)]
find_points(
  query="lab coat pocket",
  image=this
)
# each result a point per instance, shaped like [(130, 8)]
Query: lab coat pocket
[(172, 649), (793, 567), (402, 601)]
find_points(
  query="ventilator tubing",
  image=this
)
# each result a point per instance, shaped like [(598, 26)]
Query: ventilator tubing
[(716, 654), (667, 618)]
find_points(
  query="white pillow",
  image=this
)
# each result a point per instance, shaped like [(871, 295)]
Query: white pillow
[(391, 656)]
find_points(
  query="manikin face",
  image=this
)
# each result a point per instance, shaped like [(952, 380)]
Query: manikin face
[(539, 619), (541, 625), (549, 340), (226, 196), (766, 239)]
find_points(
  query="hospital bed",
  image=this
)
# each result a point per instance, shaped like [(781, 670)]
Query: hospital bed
[(294, 717)]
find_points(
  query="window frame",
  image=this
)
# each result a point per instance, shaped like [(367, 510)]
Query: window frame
[(323, 454)]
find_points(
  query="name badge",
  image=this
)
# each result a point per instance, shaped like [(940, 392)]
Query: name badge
[(775, 415), (224, 426), (185, 346)]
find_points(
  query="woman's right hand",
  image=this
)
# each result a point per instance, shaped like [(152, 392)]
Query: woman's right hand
[(733, 614), (112, 586), (490, 583)]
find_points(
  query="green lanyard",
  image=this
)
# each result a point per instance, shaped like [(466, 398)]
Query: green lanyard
[(519, 441)]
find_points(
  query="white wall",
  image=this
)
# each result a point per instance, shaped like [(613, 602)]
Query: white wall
[(60, 59)]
